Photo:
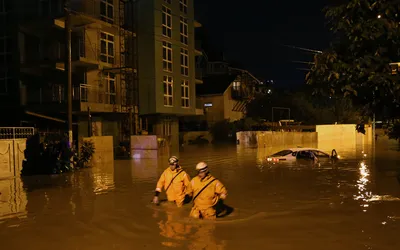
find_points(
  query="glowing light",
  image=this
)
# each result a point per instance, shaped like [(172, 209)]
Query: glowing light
[(379, 16), (362, 182)]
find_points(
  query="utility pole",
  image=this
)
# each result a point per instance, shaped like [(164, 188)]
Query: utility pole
[(68, 65)]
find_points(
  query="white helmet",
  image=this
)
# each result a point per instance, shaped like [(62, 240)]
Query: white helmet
[(202, 167), (173, 159)]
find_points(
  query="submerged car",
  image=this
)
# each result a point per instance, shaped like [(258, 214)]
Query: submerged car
[(293, 154)]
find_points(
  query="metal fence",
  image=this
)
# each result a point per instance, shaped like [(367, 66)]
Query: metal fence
[(9, 133)]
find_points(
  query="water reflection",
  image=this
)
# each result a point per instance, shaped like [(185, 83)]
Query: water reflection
[(108, 207), (363, 194)]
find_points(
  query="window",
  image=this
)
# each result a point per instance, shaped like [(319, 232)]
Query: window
[(236, 86), (167, 56), (107, 48), (185, 94), (184, 62), (166, 22), (110, 89), (184, 30), (183, 6), (168, 91), (107, 11), (167, 128), (4, 79)]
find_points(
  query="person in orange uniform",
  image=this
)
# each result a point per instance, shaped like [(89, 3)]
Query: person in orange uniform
[(175, 181), (206, 192)]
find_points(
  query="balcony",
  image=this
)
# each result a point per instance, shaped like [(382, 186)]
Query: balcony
[(83, 96), (98, 99), (199, 77), (198, 50), (89, 55), (197, 24)]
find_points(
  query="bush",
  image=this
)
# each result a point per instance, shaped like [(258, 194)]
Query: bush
[(86, 153), (394, 131), (54, 156)]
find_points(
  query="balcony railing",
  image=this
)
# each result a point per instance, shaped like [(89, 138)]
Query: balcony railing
[(82, 93), (92, 94), (92, 52), (98, 9)]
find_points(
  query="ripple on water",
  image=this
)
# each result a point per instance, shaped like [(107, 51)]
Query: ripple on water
[(346, 206)]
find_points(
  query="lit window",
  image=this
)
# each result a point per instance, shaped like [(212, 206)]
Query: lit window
[(184, 31), (110, 88), (207, 104), (167, 56), (236, 85), (168, 91), (4, 80), (185, 94), (166, 22), (107, 48), (183, 6), (107, 10), (184, 62)]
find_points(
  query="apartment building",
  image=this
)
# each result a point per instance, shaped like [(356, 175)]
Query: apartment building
[(103, 64), (166, 56)]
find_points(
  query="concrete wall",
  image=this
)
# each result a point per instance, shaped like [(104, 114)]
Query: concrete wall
[(216, 112), (11, 157), (290, 139), (104, 149), (144, 147), (264, 139), (343, 136)]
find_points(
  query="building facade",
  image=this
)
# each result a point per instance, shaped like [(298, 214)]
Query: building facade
[(166, 68), (103, 63)]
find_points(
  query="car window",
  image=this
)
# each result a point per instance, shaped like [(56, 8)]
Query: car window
[(320, 154), (305, 155), (283, 153)]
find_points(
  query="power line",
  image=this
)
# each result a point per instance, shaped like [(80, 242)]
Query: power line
[(304, 49)]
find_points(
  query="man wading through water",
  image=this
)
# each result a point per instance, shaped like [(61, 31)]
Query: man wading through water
[(175, 181), (207, 191)]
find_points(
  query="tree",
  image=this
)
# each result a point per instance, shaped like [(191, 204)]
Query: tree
[(308, 109), (357, 64)]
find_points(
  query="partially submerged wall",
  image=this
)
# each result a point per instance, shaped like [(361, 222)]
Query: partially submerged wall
[(11, 157), (144, 147), (104, 149), (264, 139)]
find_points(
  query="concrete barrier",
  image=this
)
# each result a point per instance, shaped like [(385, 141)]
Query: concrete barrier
[(11, 157), (144, 147), (264, 139), (104, 149), (343, 137)]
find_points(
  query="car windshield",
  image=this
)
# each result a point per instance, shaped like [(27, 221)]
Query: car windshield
[(282, 153)]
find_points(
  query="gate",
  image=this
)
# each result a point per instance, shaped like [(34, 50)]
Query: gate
[(12, 146)]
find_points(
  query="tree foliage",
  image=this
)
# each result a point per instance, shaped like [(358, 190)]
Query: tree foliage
[(366, 39), (303, 107)]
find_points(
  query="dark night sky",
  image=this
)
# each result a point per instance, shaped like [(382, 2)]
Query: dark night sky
[(252, 32)]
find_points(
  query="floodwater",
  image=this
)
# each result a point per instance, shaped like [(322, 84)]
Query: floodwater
[(354, 204)]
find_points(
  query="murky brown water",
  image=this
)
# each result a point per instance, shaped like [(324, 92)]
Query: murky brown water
[(353, 205)]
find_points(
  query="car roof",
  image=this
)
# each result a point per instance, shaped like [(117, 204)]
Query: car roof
[(302, 149)]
